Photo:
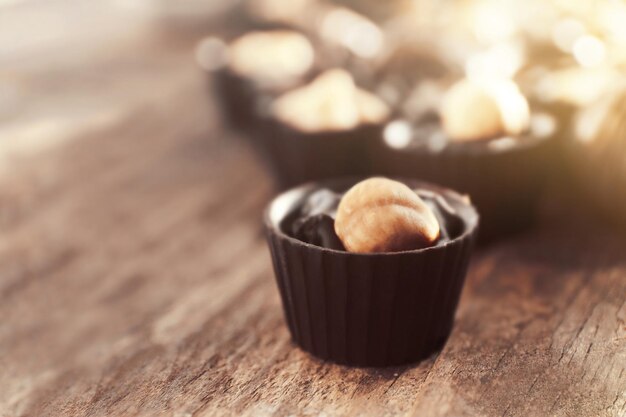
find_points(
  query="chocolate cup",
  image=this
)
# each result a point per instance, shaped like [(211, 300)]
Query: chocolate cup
[(296, 157), (238, 98), (504, 185), (379, 309), (599, 178)]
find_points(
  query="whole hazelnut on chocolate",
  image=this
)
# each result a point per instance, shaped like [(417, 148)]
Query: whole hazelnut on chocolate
[(381, 215)]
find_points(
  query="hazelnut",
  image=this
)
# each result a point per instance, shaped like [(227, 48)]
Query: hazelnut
[(381, 215), (278, 56), (470, 113), (330, 102), (475, 111)]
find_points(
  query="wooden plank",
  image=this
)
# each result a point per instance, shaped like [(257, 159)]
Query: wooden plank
[(134, 279)]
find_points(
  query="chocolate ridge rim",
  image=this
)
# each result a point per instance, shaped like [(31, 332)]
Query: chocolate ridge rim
[(324, 134), (476, 148), (469, 214)]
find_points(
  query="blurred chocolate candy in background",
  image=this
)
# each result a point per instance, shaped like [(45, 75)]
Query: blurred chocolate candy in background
[(481, 96)]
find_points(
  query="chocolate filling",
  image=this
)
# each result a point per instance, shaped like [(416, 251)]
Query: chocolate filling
[(314, 220)]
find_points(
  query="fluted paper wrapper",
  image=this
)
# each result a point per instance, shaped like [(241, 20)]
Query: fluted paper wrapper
[(296, 157), (369, 309), (237, 98)]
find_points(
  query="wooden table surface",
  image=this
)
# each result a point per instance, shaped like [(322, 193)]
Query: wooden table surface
[(134, 279)]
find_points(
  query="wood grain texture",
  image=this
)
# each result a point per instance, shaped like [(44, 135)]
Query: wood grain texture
[(134, 279)]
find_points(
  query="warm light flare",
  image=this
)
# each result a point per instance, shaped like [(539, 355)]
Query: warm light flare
[(589, 122), (566, 32), (398, 134), (513, 106), (543, 125), (589, 51), (351, 30), (491, 22), (500, 61), (576, 85), (612, 17)]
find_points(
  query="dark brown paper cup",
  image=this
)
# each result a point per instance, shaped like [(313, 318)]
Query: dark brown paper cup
[(238, 99), (297, 157), (600, 179), (293, 156), (368, 309)]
